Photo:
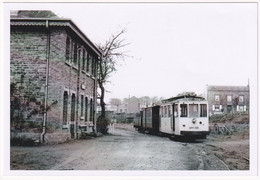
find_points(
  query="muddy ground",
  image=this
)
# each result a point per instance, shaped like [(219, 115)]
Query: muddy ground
[(126, 149)]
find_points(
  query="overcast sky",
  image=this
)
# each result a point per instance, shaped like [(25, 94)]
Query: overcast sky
[(176, 47)]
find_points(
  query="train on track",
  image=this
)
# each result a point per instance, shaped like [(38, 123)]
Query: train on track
[(180, 116)]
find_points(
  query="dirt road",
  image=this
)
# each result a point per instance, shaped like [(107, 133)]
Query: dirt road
[(125, 149)]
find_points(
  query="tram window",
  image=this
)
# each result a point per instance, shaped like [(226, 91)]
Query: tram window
[(193, 110), (149, 113), (184, 110), (203, 110), (165, 111), (175, 110), (169, 111)]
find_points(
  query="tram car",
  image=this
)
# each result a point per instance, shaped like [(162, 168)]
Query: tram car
[(184, 116), (149, 120), (138, 121)]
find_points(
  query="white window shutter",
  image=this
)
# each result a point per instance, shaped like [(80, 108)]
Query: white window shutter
[(220, 107), (237, 108), (244, 108), (213, 107)]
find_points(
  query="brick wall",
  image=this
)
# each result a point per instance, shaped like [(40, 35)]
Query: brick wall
[(28, 75), (223, 99), (28, 72)]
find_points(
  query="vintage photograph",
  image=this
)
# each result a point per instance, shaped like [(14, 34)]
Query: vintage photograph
[(132, 86)]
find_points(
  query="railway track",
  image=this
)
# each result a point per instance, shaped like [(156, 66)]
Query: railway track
[(208, 160), (211, 153)]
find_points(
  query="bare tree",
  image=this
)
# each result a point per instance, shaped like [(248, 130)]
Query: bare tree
[(145, 100), (112, 54), (115, 102)]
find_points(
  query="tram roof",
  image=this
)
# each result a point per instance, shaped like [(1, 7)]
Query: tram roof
[(184, 97)]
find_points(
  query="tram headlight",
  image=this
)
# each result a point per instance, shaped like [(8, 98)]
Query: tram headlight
[(194, 120)]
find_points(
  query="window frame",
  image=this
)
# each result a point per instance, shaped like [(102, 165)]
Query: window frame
[(203, 110), (68, 49), (228, 98), (65, 108), (83, 59), (184, 110), (239, 98), (75, 54), (215, 97), (192, 109)]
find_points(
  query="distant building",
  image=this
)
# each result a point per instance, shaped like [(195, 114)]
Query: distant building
[(109, 108), (133, 105), (228, 99), (53, 69)]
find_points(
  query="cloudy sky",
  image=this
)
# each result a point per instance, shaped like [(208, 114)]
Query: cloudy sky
[(176, 47)]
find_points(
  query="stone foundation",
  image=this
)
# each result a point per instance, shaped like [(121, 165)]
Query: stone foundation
[(49, 138)]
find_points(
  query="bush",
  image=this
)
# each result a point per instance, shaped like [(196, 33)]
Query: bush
[(23, 141), (102, 124), (225, 118), (216, 117)]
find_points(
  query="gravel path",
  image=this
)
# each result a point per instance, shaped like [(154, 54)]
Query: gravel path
[(125, 149)]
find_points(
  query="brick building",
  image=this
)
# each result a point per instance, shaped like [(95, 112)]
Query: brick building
[(133, 105), (228, 99), (53, 69)]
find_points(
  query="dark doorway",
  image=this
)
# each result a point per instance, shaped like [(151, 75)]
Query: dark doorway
[(73, 103), (229, 109)]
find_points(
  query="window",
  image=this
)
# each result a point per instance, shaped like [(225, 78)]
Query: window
[(193, 110), (91, 111), (79, 56), (169, 111), (148, 112), (241, 98), (75, 54), (86, 108), (183, 110), (65, 107), (88, 60), (73, 100), (241, 108), (83, 59), (165, 111), (203, 110), (216, 97), (82, 105), (67, 53), (90, 64), (217, 107), (176, 110), (229, 98), (93, 67)]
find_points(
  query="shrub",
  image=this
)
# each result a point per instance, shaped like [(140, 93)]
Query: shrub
[(23, 141), (102, 124)]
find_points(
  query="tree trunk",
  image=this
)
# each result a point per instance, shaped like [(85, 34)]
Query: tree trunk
[(102, 103)]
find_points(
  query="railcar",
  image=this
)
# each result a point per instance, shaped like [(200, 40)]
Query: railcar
[(149, 120), (138, 120), (184, 116)]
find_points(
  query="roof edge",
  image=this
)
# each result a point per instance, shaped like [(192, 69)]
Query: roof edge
[(73, 27)]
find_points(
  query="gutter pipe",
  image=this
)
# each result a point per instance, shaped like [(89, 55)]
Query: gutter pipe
[(46, 84)]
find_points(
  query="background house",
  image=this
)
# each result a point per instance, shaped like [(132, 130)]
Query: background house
[(228, 99), (53, 77)]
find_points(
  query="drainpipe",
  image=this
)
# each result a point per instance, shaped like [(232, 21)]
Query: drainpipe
[(46, 83)]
